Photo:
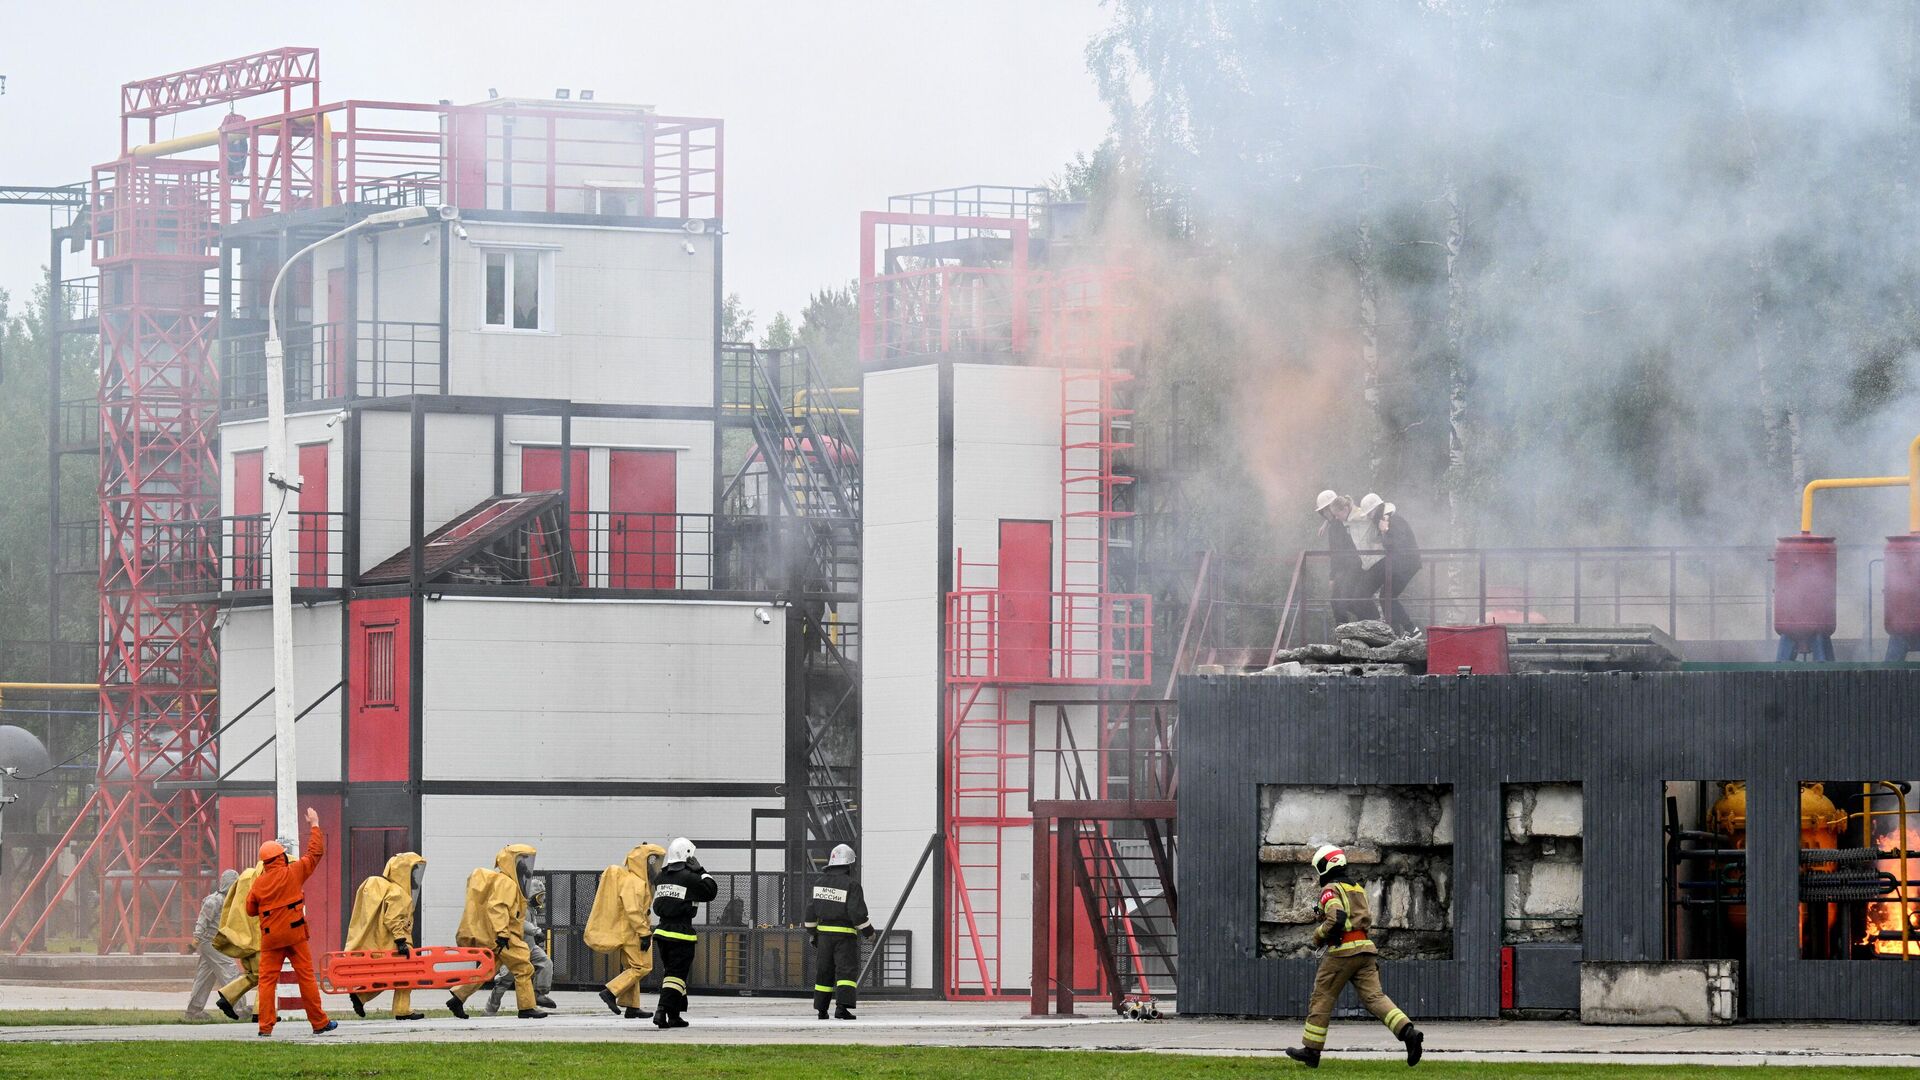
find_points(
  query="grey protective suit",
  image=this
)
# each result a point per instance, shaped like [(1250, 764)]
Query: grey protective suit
[(542, 963), (216, 968)]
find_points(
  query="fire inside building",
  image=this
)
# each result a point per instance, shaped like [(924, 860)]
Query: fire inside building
[(573, 570)]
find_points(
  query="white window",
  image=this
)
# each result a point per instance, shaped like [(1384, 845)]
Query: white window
[(518, 287)]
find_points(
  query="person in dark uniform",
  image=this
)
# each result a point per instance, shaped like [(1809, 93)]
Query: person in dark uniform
[(1346, 597), (683, 886), (836, 921), (1394, 572)]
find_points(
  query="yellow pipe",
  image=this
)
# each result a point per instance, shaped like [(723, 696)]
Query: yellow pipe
[(1911, 482), (1806, 496), (175, 146), (61, 687)]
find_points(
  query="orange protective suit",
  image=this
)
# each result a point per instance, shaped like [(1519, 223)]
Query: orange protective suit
[(278, 900)]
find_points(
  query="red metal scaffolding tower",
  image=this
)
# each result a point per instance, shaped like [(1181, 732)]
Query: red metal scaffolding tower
[(156, 223)]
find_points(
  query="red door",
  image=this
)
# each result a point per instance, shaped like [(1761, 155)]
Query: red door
[(643, 538), (1025, 625), (246, 822), (310, 538), (540, 471), (249, 527), (379, 690), (335, 334)]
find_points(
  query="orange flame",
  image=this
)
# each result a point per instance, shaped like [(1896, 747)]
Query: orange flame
[(1883, 917)]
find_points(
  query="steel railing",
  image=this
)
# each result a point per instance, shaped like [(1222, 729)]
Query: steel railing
[(1057, 637), (233, 553), (325, 361), (1693, 593)]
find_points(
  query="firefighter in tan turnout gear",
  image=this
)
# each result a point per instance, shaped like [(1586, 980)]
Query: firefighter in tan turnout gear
[(836, 921), (1345, 918)]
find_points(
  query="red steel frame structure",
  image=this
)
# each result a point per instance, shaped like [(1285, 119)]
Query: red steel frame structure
[(156, 224), (945, 278)]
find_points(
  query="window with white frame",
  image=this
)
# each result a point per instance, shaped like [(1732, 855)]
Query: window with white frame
[(518, 284)]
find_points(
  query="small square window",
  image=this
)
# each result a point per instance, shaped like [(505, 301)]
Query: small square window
[(513, 290)]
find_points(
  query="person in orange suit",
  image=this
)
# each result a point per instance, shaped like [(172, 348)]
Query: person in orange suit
[(278, 900)]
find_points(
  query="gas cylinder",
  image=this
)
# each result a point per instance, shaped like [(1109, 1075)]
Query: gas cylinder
[(1729, 817), (1903, 586), (1805, 587), (1821, 822)]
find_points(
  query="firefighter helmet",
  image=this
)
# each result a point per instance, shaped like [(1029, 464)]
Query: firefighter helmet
[(1324, 500), (1326, 858), (842, 856), (680, 850)]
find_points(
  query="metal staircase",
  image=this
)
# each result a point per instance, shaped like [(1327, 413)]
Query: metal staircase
[(801, 487)]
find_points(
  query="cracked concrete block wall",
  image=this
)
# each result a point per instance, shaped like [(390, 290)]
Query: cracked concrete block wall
[(1399, 844), (1543, 871)]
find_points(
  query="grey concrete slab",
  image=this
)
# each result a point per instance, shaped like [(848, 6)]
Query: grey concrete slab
[(896, 1023)]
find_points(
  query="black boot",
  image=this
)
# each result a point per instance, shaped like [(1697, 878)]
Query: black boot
[(532, 1014), (410, 1016), (1305, 1055), (1415, 1043), (359, 1007), (456, 1007), (545, 1002), (613, 1005), (821, 1012), (638, 1014), (677, 1020), (225, 1007), (844, 1013)]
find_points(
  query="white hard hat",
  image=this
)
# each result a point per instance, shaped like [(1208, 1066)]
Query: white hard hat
[(1369, 503), (1326, 857), (681, 850), (1324, 500), (842, 856)]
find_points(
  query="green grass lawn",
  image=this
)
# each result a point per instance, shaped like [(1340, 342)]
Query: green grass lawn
[(546, 1061)]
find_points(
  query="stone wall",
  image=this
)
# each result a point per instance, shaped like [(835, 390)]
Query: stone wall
[(1542, 866), (1399, 845)]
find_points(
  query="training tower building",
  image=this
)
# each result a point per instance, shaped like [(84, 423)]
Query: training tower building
[(533, 602), (1003, 654)]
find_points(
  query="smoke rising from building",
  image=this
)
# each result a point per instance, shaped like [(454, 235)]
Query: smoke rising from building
[(1685, 275)]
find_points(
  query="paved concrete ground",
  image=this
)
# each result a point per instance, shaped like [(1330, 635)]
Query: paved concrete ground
[(788, 1020)]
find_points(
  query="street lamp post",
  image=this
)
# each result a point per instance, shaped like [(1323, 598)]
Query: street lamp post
[(286, 788)]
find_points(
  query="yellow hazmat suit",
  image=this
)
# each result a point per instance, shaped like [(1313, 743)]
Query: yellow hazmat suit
[(496, 910), (636, 908), (239, 937), (383, 915)]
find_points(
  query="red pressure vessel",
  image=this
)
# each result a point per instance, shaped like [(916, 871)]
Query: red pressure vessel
[(1806, 591), (1902, 595)]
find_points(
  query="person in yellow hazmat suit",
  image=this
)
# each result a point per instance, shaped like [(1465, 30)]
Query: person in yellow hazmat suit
[(239, 937), (495, 917), (382, 920), (636, 948)]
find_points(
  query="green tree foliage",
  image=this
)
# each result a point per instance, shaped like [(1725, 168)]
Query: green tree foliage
[(23, 485)]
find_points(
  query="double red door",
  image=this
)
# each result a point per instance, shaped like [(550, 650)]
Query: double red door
[(633, 545)]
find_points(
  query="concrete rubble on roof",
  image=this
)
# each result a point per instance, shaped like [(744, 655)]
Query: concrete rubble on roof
[(1368, 647)]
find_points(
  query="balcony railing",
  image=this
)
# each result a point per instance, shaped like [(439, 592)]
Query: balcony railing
[(1694, 594), (1047, 638), (325, 361), (233, 554)]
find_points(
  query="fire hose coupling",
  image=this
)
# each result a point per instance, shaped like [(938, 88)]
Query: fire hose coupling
[(283, 483)]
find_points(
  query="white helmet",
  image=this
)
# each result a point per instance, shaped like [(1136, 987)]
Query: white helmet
[(1369, 503), (842, 856), (1326, 857), (1324, 500), (681, 850)]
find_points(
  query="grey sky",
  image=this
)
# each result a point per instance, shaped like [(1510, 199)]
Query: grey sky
[(829, 106)]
